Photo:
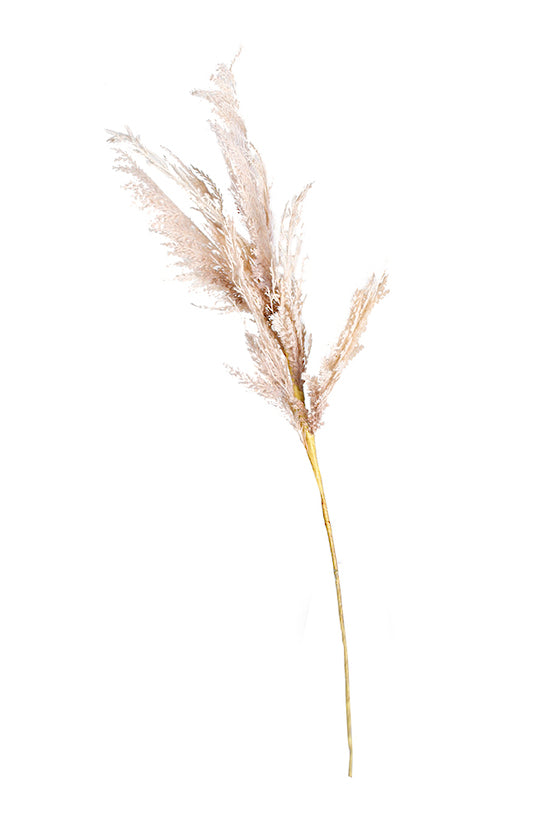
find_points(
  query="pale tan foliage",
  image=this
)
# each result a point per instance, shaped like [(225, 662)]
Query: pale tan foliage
[(247, 270)]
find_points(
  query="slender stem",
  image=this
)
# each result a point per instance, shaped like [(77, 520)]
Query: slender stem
[(312, 454)]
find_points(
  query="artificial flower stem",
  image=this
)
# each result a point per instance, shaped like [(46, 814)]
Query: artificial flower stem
[(309, 442)]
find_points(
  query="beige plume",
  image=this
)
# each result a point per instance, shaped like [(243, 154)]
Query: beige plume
[(250, 270)]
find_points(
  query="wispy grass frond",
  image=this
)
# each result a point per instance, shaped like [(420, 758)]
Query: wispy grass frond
[(347, 347), (249, 185), (205, 254)]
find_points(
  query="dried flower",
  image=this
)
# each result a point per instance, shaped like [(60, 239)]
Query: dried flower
[(247, 269)]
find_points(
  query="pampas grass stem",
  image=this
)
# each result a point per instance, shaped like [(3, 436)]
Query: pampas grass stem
[(250, 266)]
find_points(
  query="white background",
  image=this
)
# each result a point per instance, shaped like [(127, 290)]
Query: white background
[(169, 641)]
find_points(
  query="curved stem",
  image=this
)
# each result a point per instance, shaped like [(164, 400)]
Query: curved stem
[(309, 442)]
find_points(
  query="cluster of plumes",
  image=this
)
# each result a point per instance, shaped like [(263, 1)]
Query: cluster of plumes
[(242, 265)]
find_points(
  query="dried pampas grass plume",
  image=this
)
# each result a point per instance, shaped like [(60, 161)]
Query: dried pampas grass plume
[(246, 267)]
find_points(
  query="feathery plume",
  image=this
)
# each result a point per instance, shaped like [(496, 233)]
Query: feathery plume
[(246, 266)]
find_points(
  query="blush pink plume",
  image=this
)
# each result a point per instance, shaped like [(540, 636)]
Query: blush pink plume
[(246, 264)]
